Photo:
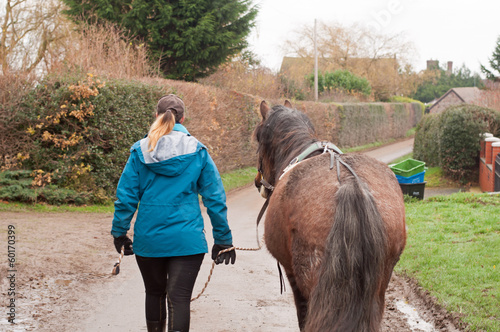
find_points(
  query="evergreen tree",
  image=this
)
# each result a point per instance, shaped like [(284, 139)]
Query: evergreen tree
[(189, 39), (443, 81), (494, 64)]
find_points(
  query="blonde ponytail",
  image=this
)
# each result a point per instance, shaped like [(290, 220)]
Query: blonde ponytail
[(163, 125)]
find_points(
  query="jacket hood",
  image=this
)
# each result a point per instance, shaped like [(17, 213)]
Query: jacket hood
[(173, 152)]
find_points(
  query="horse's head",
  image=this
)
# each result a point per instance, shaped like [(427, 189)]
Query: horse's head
[(263, 134)]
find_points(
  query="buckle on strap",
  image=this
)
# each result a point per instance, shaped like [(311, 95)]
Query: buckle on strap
[(316, 146), (329, 146), (266, 184)]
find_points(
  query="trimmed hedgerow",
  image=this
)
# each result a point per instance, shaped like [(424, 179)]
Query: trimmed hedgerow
[(459, 143), (451, 139), (76, 131), (364, 123)]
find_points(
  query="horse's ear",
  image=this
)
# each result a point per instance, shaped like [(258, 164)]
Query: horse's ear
[(264, 109), (288, 104)]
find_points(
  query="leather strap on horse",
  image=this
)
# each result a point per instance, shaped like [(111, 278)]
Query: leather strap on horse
[(340, 161), (267, 185), (262, 210), (315, 147), (259, 217)]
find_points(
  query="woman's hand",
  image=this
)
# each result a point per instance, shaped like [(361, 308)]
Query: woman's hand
[(225, 257), (124, 241)]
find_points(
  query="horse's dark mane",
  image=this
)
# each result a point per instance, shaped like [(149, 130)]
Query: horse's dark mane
[(282, 136)]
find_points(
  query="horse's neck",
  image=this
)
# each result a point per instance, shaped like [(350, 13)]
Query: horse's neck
[(287, 155)]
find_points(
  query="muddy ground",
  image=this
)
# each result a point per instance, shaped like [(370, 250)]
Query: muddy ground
[(64, 283)]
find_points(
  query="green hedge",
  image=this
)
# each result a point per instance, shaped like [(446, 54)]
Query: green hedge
[(341, 80), (364, 123), (451, 139), (426, 147)]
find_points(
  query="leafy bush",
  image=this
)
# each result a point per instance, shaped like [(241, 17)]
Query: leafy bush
[(425, 146), (451, 139), (81, 130), (342, 80), (19, 186), (459, 144)]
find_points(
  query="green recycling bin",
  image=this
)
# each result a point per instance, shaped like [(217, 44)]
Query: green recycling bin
[(408, 167)]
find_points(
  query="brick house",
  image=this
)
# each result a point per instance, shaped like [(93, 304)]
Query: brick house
[(456, 96)]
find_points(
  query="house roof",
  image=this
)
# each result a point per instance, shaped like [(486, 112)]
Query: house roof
[(467, 95)]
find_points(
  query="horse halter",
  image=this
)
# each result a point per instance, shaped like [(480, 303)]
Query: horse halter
[(262, 184)]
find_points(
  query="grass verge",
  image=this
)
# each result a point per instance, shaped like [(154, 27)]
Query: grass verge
[(238, 178), (367, 146), (453, 251)]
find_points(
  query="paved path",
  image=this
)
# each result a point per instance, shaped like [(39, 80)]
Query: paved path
[(391, 152)]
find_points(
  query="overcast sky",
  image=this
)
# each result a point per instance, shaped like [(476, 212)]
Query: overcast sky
[(461, 31)]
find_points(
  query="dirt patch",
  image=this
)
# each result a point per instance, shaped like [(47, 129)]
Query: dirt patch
[(407, 290), (64, 262), (59, 258)]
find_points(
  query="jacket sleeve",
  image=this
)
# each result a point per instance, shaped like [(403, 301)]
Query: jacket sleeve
[(128, 196), (214, 198)]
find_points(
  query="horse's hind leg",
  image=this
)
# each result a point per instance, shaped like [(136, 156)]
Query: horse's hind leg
[(300, 301)]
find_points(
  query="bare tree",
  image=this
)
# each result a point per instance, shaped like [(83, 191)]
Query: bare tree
[(32, 34), (383, 59)]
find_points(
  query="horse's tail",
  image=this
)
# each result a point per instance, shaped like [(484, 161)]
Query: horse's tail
[(346, 296)]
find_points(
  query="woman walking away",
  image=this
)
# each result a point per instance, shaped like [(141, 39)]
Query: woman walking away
[(165, 173)]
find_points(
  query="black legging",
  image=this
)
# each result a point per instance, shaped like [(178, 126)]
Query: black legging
[(170, 278)]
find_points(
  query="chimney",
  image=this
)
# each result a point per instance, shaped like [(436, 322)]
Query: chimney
[(432, 64), (450, 67)]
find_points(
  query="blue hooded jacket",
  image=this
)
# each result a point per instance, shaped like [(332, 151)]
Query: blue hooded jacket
[(166, 182)]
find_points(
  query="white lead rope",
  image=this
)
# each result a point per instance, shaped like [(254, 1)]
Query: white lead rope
[(213, 265), (116, 267)]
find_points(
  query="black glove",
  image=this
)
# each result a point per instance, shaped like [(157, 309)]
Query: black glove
[(124, 241), (224, 257)]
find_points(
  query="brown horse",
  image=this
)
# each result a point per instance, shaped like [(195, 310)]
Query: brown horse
[(335, 222)]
